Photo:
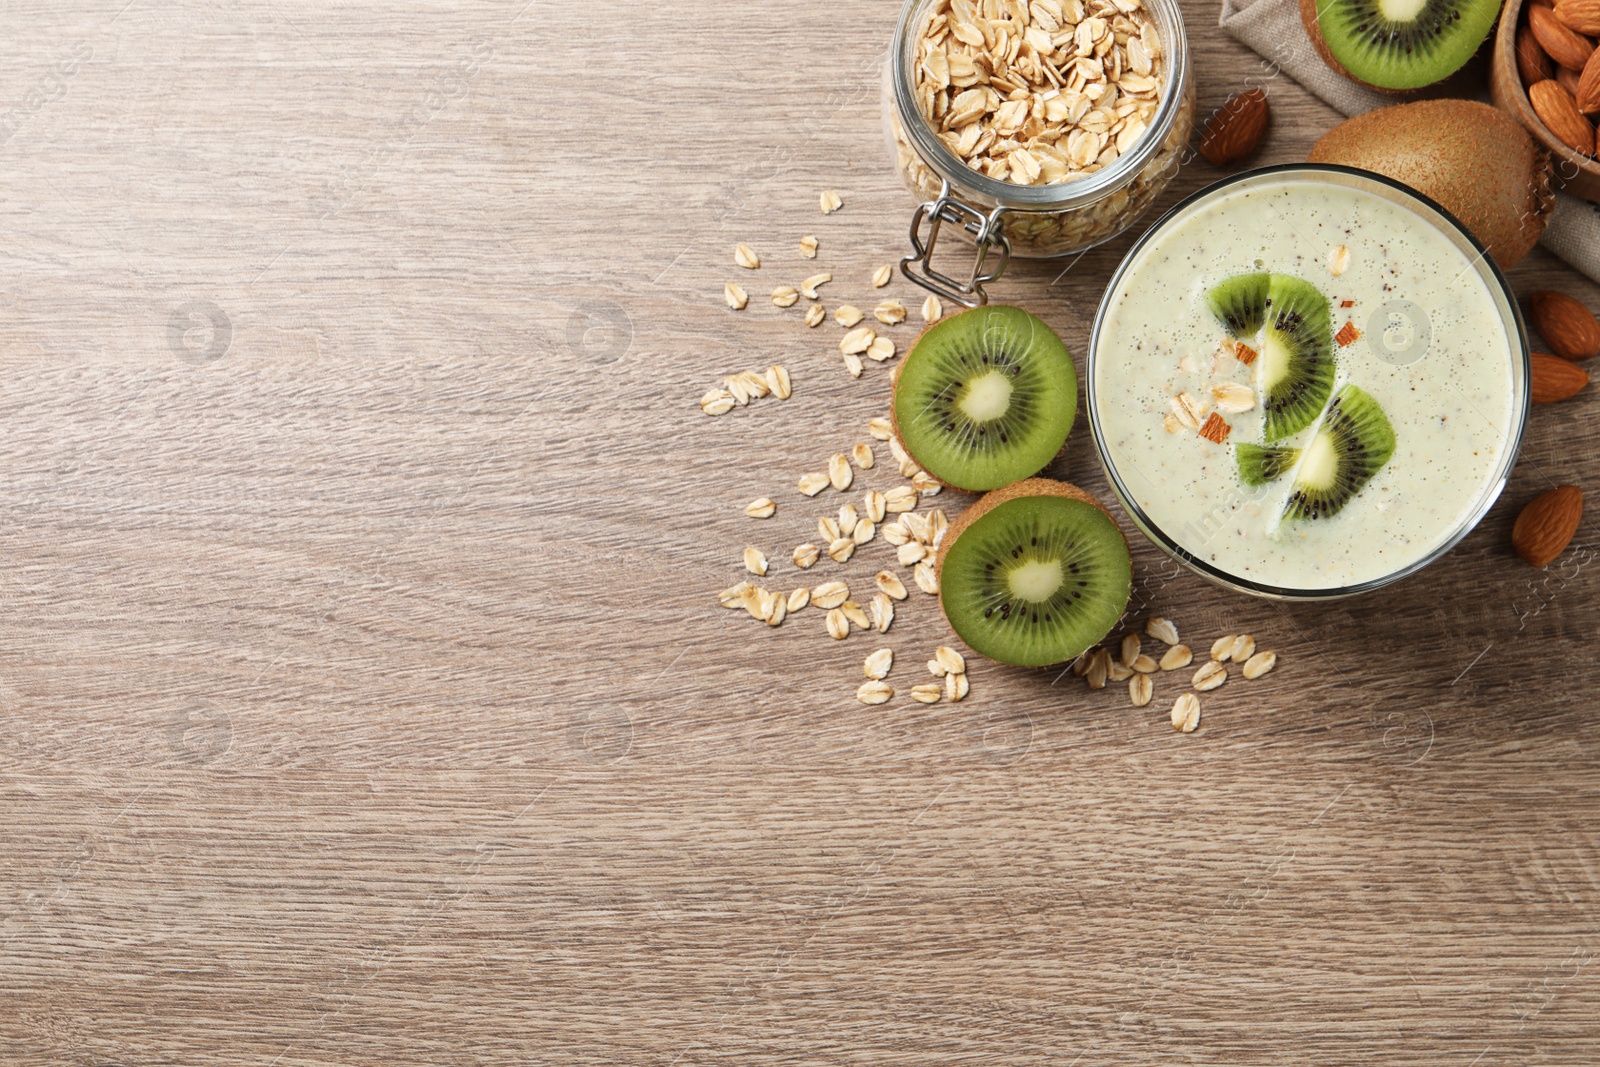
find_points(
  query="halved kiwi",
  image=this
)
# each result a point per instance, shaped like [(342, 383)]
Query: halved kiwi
[(1260, 464), (985, 397), (1398, 44), (1034, 573), (1353, 443)]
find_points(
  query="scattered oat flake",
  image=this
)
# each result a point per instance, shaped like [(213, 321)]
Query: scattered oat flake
[(1347, 335), (735, 295), (881, 276), (857, 340), (1222, 647), (847, 315), (873, 502), (951, 660), (717, 402), (863, 532), (1244, 353), (778, 612), (745, 256), (880, 349), (808, 246), (1176, 658), (891, 585), (761, 507), (785, 296), (815, 314), (1260, 664), (799, 598), (839, 473), (855, 614), (1163, 630), (878, 664), (890, 312), (1143, 664), (812, 484), (830, 594), (830, 202), (778, 381), (1216, 429), (900, 499), (1186, 713), (894, 532), (1129, 649), (1209, 676), (874, 691), (881, 429), (925, 578), (853, 364), (956, 687), (806, 555), (1140, 689), (932, 309), (926, 484), (838, 626), (808, 288), (1099, 667), (1118, 673), (1244, 646), (882, 609), (754, 561), (861, 455), (841, 549), (929, 693)]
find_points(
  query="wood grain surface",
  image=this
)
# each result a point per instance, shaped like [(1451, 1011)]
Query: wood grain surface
[(364, 698)]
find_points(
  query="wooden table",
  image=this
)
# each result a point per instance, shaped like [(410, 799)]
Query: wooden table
[(365, 698)]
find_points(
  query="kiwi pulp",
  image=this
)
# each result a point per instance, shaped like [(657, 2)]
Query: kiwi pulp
[(985, 398), (1034, 574)]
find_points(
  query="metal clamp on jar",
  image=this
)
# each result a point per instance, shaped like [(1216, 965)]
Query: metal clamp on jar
[(1078, 200)]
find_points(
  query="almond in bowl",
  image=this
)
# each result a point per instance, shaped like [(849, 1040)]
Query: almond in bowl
[(1546, 74)]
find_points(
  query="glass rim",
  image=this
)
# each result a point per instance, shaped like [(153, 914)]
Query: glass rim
[(1061, 196), (1506, 306)]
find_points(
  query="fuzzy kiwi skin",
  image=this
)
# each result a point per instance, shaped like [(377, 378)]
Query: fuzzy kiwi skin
[(1475, 160), (1027, 487)]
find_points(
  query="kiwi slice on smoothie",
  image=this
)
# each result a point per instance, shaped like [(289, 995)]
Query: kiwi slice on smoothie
[(1353, 443), (1034, 574), (1240, 304), (1260, 464), (1296, 364), (985, 397)]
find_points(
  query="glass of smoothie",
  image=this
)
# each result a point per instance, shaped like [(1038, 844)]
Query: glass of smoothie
[(1307, 382)]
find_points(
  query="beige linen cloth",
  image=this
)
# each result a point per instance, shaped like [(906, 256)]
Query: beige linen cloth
[(1272, 29)]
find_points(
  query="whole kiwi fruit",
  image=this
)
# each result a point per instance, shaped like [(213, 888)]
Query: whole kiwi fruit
[(1476, 161)]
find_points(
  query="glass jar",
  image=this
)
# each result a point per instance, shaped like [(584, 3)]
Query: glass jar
[(1003, 218)]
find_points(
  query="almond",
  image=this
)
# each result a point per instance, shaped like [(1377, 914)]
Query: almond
[(1234, 129), (1555, 379), (1532, 63), (1568, 80), (1559, 112), (1560, 43), (1582, 16), (1570, 328), (1545, 527), (1588, 93)]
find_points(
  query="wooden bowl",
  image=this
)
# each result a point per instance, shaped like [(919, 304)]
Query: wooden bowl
[(1575, 174)]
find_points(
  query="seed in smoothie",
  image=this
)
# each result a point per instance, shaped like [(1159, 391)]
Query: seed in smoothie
[(1353, 443), (986, 398)]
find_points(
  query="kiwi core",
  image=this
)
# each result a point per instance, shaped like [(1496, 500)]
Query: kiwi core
[(1320, 465), (986, 397), (1036, 580), (1401, 10)]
